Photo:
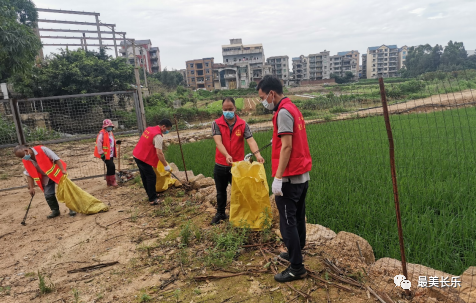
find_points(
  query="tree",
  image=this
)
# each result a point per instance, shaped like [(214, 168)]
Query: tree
[(454, 56), (170, 79), (19, 44), (345, 79), (75, 72)]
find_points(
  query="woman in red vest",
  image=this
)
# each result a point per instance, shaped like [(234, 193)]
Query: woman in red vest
[(229, 132), (106, 150), (291, 163), (44, 168), (148, 153)]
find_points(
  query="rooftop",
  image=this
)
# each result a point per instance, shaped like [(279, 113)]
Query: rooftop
[(377, 47), (141, 42)]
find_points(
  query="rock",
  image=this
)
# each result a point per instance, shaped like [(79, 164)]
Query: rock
[(167, 144), (181, 175), (174, 167), (467, 288), (344, 246), (178, 183), (392, 267), (196, 178), (206, 182), (192, 140), (317, 233)]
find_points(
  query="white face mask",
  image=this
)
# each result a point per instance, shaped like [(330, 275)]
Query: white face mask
[(267, 105)]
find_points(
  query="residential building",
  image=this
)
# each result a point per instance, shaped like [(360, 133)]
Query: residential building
[(199, 73), (363, 71), (147, 56), (249, 59), (384, 61), (280, 67), (319, 66), (300, 68), (343, 62), (402, 56)]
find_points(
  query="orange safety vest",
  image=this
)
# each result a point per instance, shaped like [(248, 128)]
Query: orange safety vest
[(47, 166), (106, 145)]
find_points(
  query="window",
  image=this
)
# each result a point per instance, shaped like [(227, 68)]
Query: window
[(226, 60), (243, 83), (404, 57), (284, 70), (141, 60), (192, 72), (206, 64), (404, 53), (193, 79), (140, 52)]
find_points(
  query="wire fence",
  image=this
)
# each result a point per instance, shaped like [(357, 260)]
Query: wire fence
[(351, 192), (68, 125)]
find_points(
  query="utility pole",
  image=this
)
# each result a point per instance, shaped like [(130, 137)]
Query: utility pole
[(145, 72), (139, 89)]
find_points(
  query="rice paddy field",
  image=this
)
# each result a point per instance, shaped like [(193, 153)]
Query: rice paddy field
[(351, 188)]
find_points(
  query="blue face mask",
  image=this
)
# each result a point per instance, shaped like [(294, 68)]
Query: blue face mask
[(166, 132), (228, 115), (26, 157), (109, 128)]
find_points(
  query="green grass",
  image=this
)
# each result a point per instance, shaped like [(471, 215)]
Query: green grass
[(218, 104), (351, 188)]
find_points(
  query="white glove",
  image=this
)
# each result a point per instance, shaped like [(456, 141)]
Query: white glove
[(167, 168), (277, 187)]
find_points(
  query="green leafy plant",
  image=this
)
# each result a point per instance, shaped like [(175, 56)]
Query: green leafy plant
[(44, 287)]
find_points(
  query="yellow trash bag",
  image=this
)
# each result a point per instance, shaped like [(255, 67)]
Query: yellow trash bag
[(249, 195), (164, 180), (77, 199)]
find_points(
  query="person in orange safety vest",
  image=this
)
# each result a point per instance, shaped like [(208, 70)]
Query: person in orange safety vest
[(106, 150), (45, 168)]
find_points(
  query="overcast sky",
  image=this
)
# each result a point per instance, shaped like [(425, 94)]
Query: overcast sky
[(185, 30)]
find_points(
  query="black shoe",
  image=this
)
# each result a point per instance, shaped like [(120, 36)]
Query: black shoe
[(284, 255), (218, 218), (54, 213), (290, 274), (72, 213)]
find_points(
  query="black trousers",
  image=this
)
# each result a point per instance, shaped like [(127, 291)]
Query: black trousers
[(110, 166), (149, 179), (222, 176), (292, 219)]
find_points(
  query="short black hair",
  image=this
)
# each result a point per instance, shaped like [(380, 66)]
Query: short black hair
[(20, 147), (165, 122), (228, 99), (270, 82)]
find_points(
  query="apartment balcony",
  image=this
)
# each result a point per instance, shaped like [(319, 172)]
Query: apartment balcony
[(230, 76), (200, 81)]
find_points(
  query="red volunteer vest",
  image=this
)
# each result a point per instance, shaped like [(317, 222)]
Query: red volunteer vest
[(300, 161), (234, 144), (145, 149), (51, 169), (106, 145)]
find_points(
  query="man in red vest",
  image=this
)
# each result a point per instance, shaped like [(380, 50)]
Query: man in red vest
[(291, 163), (148, 153), (229, 132), (44, 168)]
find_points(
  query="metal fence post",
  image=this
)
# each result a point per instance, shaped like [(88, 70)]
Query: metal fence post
[(140, 123), (17, 121), (394, 178)]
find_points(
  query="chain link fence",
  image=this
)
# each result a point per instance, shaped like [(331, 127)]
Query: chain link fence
[(68, 125), (352, 193)]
